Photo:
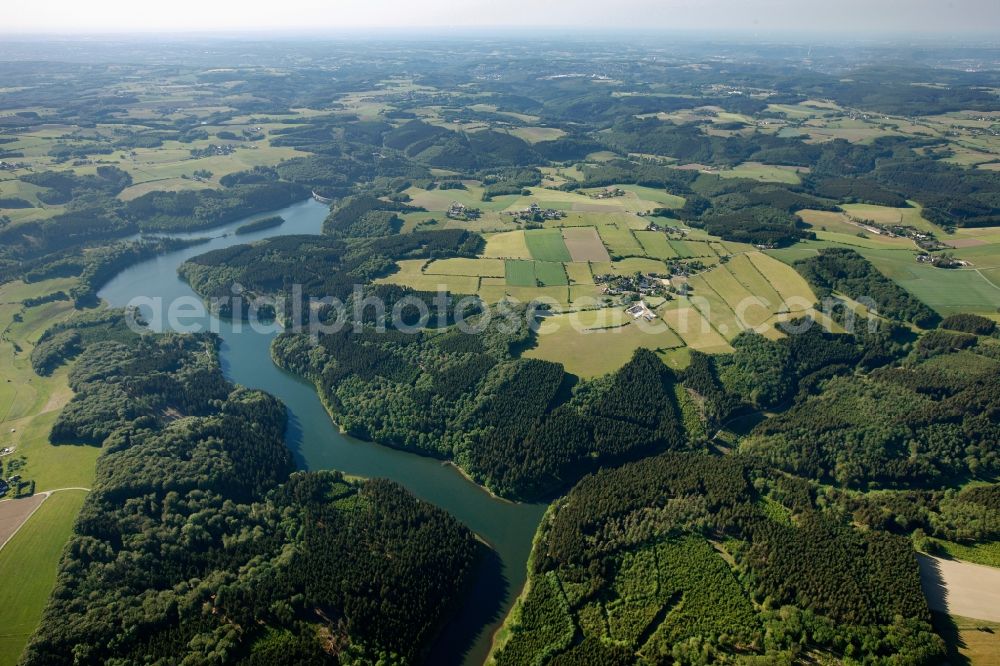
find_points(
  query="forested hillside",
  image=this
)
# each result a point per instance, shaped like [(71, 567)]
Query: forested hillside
[(515, 425), (693, 559), (195, 545)]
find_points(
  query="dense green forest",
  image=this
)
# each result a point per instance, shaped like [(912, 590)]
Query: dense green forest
[(261, 224), (932, 420), (692, 559), (518, 426), (195, 545)]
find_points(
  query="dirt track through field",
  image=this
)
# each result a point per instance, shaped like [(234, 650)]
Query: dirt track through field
[(961, 588), (14, 513)]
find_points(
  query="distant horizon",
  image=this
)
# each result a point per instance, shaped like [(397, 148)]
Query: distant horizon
[(981, 39), (846, 20)]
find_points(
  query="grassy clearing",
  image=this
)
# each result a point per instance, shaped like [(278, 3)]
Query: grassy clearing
[(865, 240), (661, 198), (33, 557), (411, 274), (547, 245), (472, 197), (29, 404), (536, 134), (165, 185), (912, 216), (764, 173), (544, 197), (946, 291), (836, 226)]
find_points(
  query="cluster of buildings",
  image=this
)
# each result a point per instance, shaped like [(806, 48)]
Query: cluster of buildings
[(639, 283), (943, 260), (10, 166), (924, 240), (639, 310), (535, 213), (214, 150), (459, 211), (608, 193), (8, 484), (653, 226)]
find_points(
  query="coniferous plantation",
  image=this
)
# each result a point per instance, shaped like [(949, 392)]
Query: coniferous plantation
[(721, 315), (694, 559)]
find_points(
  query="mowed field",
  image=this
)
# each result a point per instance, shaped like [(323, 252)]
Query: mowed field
[(970, 642), (840, 227), (521, 273), (547, 245), (30, 562), (594, 342), (507, 245), (13, 513), (29, 405)]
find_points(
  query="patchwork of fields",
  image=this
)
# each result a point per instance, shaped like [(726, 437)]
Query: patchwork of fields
[(732, 286)]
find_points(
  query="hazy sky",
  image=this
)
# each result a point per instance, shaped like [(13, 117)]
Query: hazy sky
[(884, 16)]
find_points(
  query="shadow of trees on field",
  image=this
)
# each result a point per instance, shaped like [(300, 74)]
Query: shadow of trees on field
[(937, 598)]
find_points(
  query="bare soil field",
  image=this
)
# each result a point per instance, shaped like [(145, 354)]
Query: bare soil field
[(965, 242), (961, 588), (13, 513), (584, 244)]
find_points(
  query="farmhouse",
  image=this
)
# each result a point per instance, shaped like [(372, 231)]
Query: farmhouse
[(608, 193), (536, 213), (459, 211), (640, 310)]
